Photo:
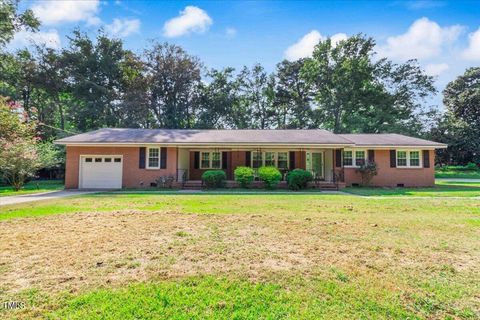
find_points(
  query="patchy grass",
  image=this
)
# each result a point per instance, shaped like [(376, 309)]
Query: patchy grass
[(150, 256), (441, 189), (457, 174), (36, 186)]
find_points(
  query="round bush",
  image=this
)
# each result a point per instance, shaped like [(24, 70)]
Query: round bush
[(244, 176), (214, 178), (298, 179), (270, 176)]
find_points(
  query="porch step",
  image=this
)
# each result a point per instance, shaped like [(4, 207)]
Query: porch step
[(193, 185)]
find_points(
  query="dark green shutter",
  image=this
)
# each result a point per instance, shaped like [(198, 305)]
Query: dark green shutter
[(141, 157), (393, 158), (196, 160), (338, 158), (371, 156), (426, 159), (224, 160), (248, 158), (163, 158), (291, 154)]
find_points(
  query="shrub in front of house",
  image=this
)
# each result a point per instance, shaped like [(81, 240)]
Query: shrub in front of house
[(244, 176), (270, 176), (367, 172), (298, 179), (214, 178)]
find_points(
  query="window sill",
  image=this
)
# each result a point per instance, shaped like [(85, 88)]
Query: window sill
[(404, 167)]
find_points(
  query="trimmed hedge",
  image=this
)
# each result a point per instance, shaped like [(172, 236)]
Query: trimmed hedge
[(214, 178), (298, 179), (270, 176), (244, 176)]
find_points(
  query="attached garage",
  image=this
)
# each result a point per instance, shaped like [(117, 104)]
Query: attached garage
[(101, 172)]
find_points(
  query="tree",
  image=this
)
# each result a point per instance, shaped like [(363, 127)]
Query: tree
[(292, 94), (173, 77), (11, 21), (459, 127), (95, 80), (19, 159), (353, 92), (217, 100), (255, 108), (462, 97)]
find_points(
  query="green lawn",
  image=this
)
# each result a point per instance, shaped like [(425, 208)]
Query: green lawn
[(241, 256), (441, 189), (33, 187), (457, 174)]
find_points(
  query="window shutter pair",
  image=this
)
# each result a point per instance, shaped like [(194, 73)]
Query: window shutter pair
[(143, 157)]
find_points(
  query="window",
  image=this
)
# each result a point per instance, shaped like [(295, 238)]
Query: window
[(270, 159), (282, 160), (205, 160), (359, 158), (348, 158), (401, 158), (408, 158), (216, 162), (153, 158), (414, 158), (118, 160), (354, 158), (257, 161), (108, 160), (210, 160), (98, 159), (88, 159)]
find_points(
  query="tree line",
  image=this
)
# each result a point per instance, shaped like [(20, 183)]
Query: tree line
[(344, 87)]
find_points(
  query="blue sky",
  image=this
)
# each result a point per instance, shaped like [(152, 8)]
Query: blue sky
[(443, 35)]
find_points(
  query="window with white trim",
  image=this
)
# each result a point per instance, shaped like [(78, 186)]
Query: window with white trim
[(282, 160), (270, 158), (348, 158), (153, 158), (408, 159), (210, 160), (354, 158)]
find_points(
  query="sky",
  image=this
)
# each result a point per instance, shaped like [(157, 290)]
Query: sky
[(444, 36)]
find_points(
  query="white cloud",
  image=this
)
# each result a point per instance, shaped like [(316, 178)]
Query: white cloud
[(191, 19), (23, 38), (473, 50), (303, 48), (55, 12), (435, 69), (123, 27), (424, 39), (230, 32)]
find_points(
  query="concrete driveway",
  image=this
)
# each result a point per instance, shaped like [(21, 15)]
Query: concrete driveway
[(41, 196)]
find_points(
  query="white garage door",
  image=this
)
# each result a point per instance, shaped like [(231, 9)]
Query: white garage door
[(101, 172)]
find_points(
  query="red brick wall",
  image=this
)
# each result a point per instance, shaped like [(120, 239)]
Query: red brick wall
[(390, 177), (132, 175)]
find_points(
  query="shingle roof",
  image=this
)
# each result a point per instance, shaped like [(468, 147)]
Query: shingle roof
[(389, 139), (192, 136), (243, 137)]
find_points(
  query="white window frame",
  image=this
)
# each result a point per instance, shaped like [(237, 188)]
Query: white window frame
[(148, 158), (275, 160), (210, 160), (354, 157), (408, 165)]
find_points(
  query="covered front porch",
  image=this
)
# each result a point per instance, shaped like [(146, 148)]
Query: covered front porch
[(321, 162)]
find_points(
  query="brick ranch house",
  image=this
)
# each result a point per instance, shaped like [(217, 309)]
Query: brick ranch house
[(136, 158)]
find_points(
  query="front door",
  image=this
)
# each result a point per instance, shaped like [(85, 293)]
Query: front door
[(315, 165)]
